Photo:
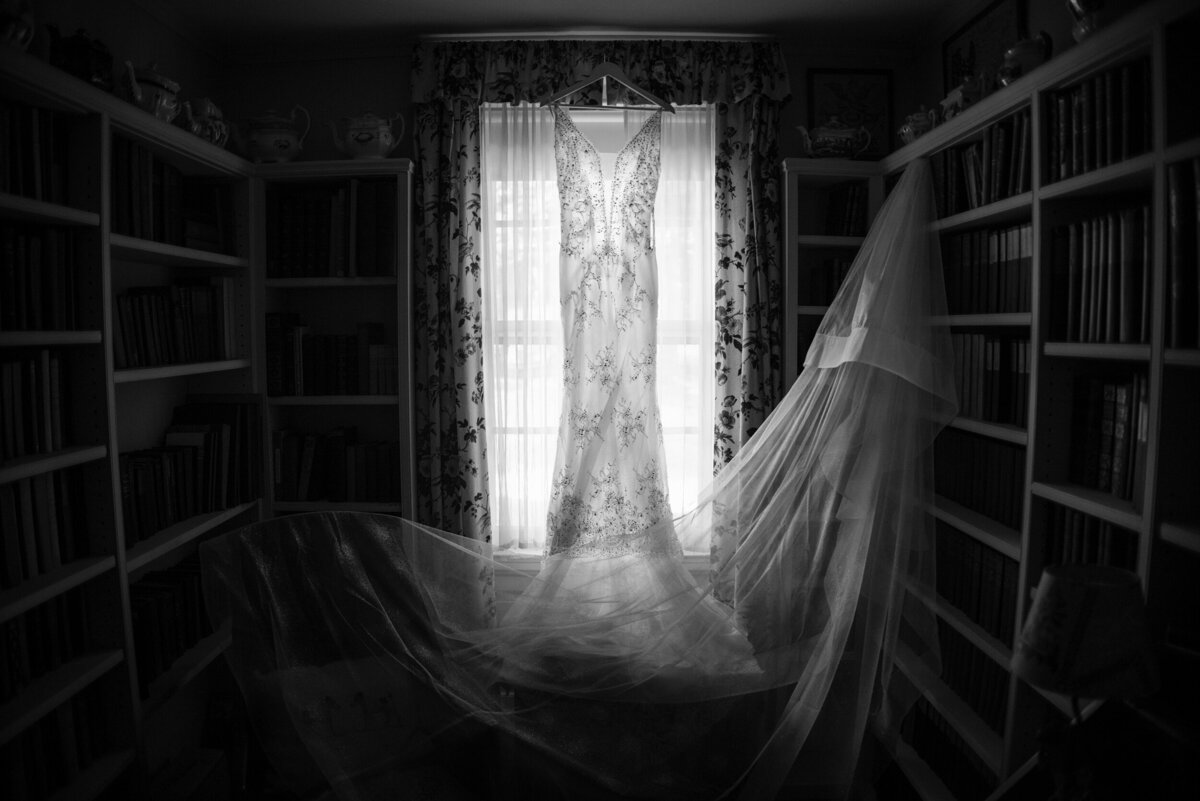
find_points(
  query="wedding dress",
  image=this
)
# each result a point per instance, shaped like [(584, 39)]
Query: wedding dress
[(369, 654)]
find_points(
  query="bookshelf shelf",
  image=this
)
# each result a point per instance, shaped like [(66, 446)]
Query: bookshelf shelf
[(338, 506), (47, 692), (1183, 536), (823, 241), (992, 534), (48, 339), (988, 745), (128, 248), (333, 400), (29, 466), (998, 320), (96, 777), (1091, 502), (39, 211), (187, 667), (1179, 357), (174, 537), (1099, 351), (1001, 431), (1000, 653), (133, 375), (1001, 212), (1182, 150), (42, 588), (1125, 176), (360, 282)]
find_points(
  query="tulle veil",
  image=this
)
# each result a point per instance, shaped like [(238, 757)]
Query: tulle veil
[(374, 666)]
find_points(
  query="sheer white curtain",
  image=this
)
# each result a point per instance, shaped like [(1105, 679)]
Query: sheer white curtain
[(522, 328)]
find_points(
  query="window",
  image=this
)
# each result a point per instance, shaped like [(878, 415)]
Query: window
[(522, 326)]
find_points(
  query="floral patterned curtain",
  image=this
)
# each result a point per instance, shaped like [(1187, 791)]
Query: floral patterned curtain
[(747, 81)]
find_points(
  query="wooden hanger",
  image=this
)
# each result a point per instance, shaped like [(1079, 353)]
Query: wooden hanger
[(603, 73)]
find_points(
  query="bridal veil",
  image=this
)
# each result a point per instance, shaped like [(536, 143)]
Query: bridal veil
[(374, 664)]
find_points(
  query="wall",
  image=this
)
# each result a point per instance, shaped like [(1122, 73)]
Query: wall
[(131, 33)]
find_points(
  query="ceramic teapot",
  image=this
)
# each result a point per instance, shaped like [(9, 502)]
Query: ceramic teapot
[(917, 123), (835, 139), (152, 91), (1024, 56), (274, 137), (368, 136), (205, 120)]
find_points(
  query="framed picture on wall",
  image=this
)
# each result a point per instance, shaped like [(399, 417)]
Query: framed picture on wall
[(858, 98), (978, 46)]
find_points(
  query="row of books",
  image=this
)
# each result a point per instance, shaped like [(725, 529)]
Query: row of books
[(992, 377), (991, 168), (176, 324), (152, 199), (334, 466), (32, 387), (34, 152), (940, 746), (52, 753), (44, 525), (169, 617), (977, 580), (39, 288), (39, 641), (973, 676), (1101, 120), (989, 270), (825, 278), (344, 230), (982, 474), (301, 362), (1183, 254), (1109, 433), (1101, 277), (846, 209), (1073, 537), (207, 462)]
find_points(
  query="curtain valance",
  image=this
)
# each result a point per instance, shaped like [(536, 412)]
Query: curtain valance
[(679, 71)]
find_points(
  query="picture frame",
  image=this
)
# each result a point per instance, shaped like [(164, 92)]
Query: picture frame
[(978, 46), (858, 98)]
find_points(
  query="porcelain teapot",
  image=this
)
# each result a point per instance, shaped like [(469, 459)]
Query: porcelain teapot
[(1024, 56), (917, 123), (152, 91), (274, 137), (205, 120), (835, 139), (368, 136)]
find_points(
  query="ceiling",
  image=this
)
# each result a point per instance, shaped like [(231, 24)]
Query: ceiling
[(241, 28)]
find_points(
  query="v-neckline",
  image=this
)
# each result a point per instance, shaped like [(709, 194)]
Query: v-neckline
[(608, 192)]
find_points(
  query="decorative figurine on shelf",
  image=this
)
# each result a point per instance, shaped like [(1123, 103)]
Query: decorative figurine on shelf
[(368, 136), (1086, 13), (17, 25), (917, 123), (152, 91), (960, 98), (205, 120), (1024, 56), (274, 137), (835, 139), (82, 56)]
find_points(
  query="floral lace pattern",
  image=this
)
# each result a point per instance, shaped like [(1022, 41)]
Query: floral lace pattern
[(610, 484)]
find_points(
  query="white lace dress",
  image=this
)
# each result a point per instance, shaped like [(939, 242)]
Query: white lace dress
[(613, 607), (609, 473)]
